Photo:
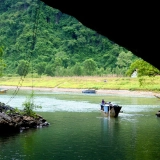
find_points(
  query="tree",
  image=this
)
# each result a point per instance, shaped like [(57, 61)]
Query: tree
[(57, 62), (143, 68), (23, 68), (124, 59), (77, 69), (49, 70), (108, 60), (40, 68), (89, 66)]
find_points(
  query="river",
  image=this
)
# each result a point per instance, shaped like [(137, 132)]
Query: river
[(78, 131)]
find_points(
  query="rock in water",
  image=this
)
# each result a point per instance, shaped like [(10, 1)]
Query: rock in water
[(16, 122)]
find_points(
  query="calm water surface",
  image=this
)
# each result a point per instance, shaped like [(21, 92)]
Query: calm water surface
[(77, 130)]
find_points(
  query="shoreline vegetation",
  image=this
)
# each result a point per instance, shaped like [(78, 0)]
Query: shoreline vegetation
[(144, 86)]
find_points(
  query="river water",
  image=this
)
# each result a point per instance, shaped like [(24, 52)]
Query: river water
[(78, 131)]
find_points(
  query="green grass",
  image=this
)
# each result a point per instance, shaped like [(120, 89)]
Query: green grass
[(118, 83)]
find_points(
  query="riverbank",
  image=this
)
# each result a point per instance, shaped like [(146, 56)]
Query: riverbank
[(107, 91), (103, 85)]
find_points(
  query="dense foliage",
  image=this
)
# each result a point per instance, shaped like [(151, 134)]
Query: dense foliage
[(2, 64), (47, 41), (143, 68)]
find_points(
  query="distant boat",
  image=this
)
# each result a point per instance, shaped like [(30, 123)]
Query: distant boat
[(3, 90), (89, 91)]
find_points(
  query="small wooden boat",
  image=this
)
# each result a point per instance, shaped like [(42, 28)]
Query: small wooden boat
[(3, 90), (89, 91), (109, 109)]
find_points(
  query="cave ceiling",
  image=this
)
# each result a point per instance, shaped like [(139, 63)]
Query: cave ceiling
[(131, 24)]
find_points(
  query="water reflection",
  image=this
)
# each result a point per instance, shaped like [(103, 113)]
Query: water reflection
[(107, 128)]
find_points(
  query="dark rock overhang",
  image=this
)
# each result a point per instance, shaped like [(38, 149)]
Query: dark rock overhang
[(133, 25)]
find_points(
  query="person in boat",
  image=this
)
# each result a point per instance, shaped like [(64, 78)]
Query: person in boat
[(102, 104)]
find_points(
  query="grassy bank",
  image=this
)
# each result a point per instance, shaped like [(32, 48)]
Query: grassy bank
[(116, 83)]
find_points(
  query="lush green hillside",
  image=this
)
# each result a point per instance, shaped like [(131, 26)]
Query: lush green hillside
[(54, 43)]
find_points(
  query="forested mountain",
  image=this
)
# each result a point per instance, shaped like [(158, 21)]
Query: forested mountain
[(54, 43)]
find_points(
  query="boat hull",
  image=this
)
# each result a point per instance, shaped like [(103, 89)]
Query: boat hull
[(3, 91), (113, 111)]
